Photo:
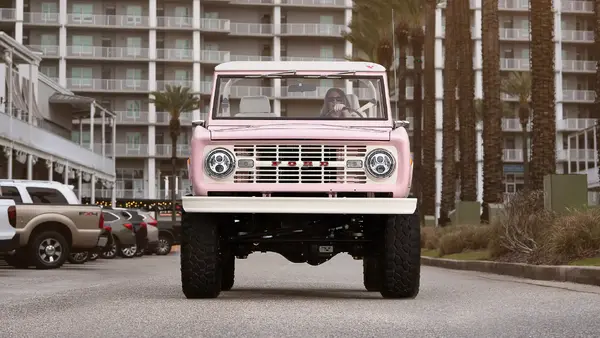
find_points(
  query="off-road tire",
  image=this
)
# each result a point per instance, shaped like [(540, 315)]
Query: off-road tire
[(201, 270), (33, 250), (18, 260), (371, 273), (401, 256), (228, 278)]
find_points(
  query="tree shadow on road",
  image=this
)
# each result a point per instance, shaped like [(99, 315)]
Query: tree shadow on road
[(298, 293)]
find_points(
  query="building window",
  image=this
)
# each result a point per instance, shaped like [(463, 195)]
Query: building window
[(49, 71), (327, 52), (49, 12), (81, 76), (183, 50), (133, 108), (134, 46), (134, 15), (46, 196), (134, 77), (83, 13), (326, 25), (82, 45), (134, 140), (85, 137), (182, 75)]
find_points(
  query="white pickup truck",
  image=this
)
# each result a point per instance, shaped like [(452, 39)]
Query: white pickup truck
[(9, 239)]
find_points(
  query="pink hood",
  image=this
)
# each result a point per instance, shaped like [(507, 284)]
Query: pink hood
[(299, 131)]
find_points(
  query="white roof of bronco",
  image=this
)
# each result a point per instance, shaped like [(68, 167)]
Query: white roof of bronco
[(281, 66)]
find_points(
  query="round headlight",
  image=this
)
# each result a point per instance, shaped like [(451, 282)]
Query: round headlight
[(380, 163), (219, 163)]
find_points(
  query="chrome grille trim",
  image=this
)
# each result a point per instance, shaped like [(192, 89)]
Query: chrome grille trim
[(307, 160)]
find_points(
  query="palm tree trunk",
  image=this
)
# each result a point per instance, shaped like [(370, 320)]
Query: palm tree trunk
[(417, 46), (449, 121), (597, 82), (429, 177), (174, 129), (543, 135), (492, 109), (402, 39), (525, 149), (467, 120)]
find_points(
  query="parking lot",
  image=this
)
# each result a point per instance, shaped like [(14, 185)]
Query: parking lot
[(141, 297)]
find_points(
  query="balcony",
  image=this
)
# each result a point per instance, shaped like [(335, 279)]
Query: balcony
[(41, 19), (514, 34), (7, 14), (165, 150), (314, 3), (513, 5), (252, 2), (308, 58), (577, 6), (215, 25), (251, 29), (171, 54), (162, 85), (124, 150), (115, 21), (513, 125), (102, 85), (115, 53), (163, 118), (582, 96), (312, 29), (577, 36), (47, 51), (174, 22), (514, 64), (512, 155), (575, 124), (251, 58), (131, 118), (214, 56), (579, 66)]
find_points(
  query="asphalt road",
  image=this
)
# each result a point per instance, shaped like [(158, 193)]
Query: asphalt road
[(273, 298)]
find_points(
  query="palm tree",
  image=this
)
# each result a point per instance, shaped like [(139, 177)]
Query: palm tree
[(402, 34), (417, 38), (449, 120), (518, 84), (175, 100), (597, 82), (492, 109), (543, 135), (466, 89)]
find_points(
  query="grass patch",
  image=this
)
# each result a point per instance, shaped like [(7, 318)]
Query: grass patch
[(476, 255), (430, 253), (594, 261)]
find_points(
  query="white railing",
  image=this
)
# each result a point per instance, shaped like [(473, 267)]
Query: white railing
[(579, 95), (125, 117), (315, 3), (514, 64), (107, 85), (251, 28), (174, 22), (48, 51), (577, 36), (215, 25), (124, 150), (98, 52), (41, 18), (575, 124), (512, 155), (308, 58), (577, 6), (513, 5), (579, 66), (162, 85), (175, 54), (250, 58), (214, 56), (165, 150), (514, 34), (81, 19), (314, 29), (8, 14), (165, 117)]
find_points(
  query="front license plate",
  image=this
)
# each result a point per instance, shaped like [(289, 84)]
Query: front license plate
[(102, 241), (326, 249)]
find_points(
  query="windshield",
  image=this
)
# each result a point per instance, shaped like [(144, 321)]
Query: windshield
[(304, 97)]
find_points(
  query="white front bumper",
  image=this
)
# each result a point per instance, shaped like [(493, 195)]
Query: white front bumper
[(299, 205)]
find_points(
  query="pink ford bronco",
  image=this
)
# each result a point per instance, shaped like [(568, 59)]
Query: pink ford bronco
[(302, 159)]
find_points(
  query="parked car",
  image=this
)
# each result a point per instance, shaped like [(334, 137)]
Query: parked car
[(92, 255), (153, 232), (51, 223), (9, 239), (129, 232), (169, 232)]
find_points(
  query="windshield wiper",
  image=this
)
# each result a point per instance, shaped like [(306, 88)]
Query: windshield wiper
[(329, 76), (277, 74)]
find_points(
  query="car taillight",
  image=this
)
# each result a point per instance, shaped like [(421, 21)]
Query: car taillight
[(153, 222), (107, 228), (128, 226), (12, 216), (143, 225), (101, 221)]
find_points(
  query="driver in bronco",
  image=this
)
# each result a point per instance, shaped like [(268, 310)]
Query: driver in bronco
[(336, 105)]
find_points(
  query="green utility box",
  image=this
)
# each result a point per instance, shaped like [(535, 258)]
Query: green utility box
[(466, 213), (563, 192)]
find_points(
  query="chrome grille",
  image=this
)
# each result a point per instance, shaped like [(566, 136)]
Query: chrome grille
[(310, 163)]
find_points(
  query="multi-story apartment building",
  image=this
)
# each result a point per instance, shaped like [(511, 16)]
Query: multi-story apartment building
[(118, 52)]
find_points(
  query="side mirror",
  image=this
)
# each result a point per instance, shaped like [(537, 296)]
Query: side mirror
[(401, 123), (199, 123)]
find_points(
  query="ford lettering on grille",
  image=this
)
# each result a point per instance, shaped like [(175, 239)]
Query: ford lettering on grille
[(306, 163)]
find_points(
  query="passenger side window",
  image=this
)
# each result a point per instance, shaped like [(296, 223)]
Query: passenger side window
[(109, 218), (12, 192), (46, 196)]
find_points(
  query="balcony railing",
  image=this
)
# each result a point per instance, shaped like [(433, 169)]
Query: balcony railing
[(512, 155), (514, 64), (97, 52), (575, 124), (101, 85), (41, 19), (163, 118), (520, 5), (8, 14), (124, 150), (162, 85), (250, 58), (47, 51), (312, 29), (165, 150), (251, 29), (577, 36), (174, 22), (579, 66), (579, 95), (315, 3), (514, 34), (173, 54), (132, 117), (577, 6), (215, 25), (308, 58), (214, 56), (95, 20)]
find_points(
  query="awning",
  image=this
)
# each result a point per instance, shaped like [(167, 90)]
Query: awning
[(81, 102)]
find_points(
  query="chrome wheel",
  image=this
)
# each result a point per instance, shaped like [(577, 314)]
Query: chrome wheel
[(50, 250), (129, 251), (164, 246), (110, 253), (78, 258)]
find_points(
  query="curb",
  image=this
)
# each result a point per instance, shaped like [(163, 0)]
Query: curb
[(561, 273)]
